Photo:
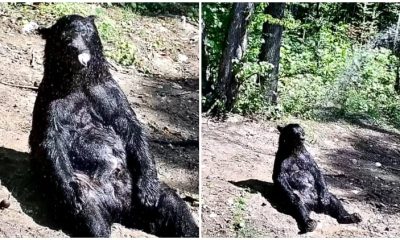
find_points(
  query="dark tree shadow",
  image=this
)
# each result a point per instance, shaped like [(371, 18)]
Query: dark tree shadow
[(176, 102), (372, 165), (334, 114), (364, 124), (16, 175)]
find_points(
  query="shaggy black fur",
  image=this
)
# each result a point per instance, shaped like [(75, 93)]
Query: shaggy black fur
[(88, 146), (300, 182)]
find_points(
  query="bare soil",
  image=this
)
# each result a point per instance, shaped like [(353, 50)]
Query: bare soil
[(166, 101), (361, 164)]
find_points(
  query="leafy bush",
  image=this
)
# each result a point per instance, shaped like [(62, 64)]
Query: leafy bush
[(216, 17), (361, 86), (124, 53), (309, 68), (190, 10), (328, 67), (302, 95), (111, 24), (250, 96), (371, 90)]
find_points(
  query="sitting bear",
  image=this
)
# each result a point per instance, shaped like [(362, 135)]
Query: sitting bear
[(88, 147), (300, 182)]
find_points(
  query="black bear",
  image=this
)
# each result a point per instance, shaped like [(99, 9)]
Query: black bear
[(88, 146), (301, 184)]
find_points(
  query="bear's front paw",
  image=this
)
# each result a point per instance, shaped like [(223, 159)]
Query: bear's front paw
[(351, 218), (308, 226), (149, 192)]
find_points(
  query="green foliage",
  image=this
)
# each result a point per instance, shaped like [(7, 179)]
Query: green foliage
[(255, 30), (371, 91), (302, 95), (107, 29), (246, 70), (309, 66), (124, 53), (359, 85), (240, 225), (327, 66), (250, 96), (323, 53), (216, 17), (118, 45), (58, 10), (190, 10)]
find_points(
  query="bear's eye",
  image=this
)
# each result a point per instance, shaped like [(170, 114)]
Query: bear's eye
[(66, 35), (86, 30)]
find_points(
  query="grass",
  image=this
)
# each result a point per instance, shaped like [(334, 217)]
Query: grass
[(112, 32), (242, 227), (130, 37), (112, 23)]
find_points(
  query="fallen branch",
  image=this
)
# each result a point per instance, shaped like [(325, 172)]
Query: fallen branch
[(179, 94), (393, 168), (149, 85), (114, 66), (181, 143), (19, 86)]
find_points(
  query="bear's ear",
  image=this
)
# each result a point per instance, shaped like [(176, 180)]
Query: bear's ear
[(44, 32), (92, 18), (279, 128)]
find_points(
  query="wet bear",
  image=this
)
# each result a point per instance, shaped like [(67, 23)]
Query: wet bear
[(300, 183), (88, 147)]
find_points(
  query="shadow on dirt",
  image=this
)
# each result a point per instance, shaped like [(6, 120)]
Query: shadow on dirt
[(372, 164), (374, 128), (177, 154), (334, 114), (177, 105), (177, 100), (16, 175), (267, 190)]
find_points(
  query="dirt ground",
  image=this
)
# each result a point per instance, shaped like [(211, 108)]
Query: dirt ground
[(361, 164), (166, 102)]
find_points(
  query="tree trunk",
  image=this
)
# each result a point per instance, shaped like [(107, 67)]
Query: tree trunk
[(397, 82), (235, 47), (397, 53), (205, 71), (270, 51)]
